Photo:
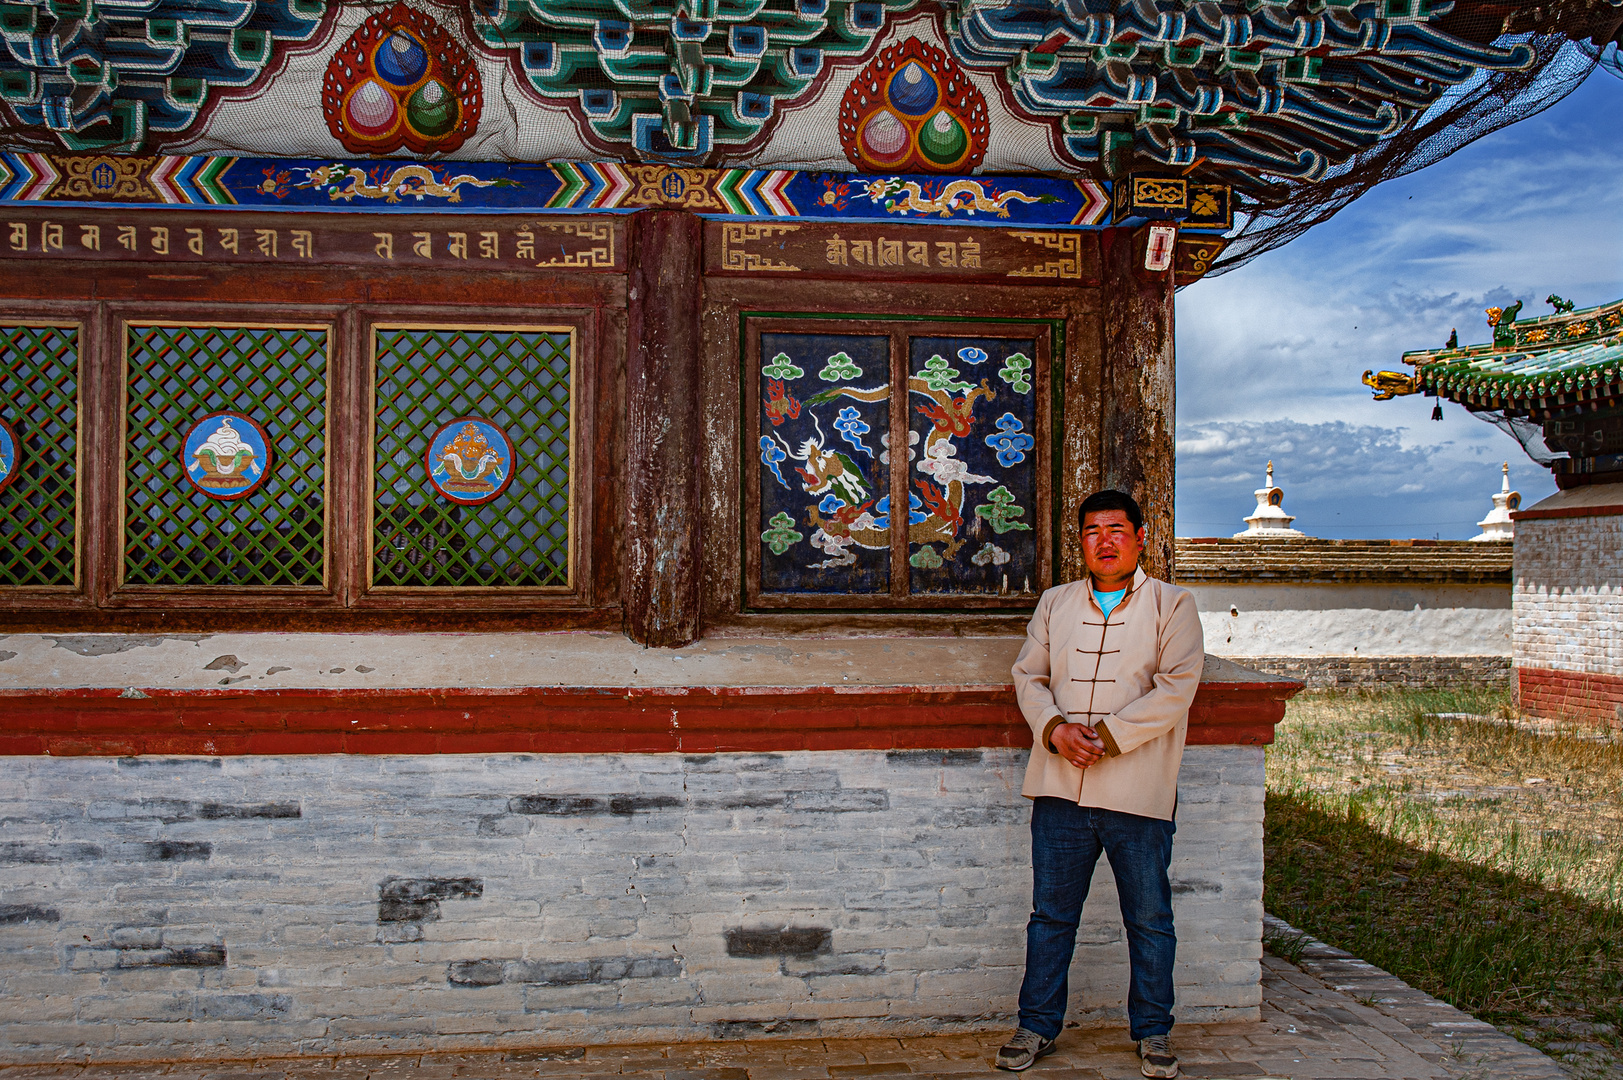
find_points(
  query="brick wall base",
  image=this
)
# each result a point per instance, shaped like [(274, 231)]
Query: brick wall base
[(185, 907), (1571, 695), (1372, 672)]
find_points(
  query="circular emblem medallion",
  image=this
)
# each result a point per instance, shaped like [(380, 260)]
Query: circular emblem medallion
[(9, 447), (470, 460), (226, 455)]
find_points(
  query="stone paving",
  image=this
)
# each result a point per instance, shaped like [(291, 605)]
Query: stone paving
[(1332, 1017)]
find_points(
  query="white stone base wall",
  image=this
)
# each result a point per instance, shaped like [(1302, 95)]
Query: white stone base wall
[(1243, 620), (195, 907), (1569, 594)]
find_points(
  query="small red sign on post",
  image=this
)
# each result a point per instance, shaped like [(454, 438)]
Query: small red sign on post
[(1163, 241)]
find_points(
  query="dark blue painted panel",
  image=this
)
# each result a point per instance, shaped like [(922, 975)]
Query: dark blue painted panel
[(972, 414), (825, 408)]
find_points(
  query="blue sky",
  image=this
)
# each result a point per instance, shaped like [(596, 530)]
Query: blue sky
[(1270, 355)]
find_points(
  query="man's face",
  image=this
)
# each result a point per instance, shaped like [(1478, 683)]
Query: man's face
[(1110, 545)]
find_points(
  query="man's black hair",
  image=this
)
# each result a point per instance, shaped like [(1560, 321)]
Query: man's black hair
[(1111, 499)]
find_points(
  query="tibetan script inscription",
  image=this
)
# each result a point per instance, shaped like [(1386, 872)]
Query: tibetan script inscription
[(452, 241), (877, 252)]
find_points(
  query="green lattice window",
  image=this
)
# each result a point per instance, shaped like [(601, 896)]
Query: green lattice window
[(39, 401), (175, 533), (515, 379)]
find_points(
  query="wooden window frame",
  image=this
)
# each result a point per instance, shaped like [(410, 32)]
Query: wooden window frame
[(899, 330), (582, 391), (100, 599), (119, 318), (80, 317)]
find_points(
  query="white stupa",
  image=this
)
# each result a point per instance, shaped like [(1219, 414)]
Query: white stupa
[(1497, 525), (1268, 521)]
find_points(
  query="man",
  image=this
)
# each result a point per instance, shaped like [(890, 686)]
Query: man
[(1105, 679)]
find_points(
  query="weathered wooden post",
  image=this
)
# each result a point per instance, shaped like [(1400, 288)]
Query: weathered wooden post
[(1137, 365), (660, 583)]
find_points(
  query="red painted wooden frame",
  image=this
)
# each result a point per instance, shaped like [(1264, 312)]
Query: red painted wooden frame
[(584, 720)]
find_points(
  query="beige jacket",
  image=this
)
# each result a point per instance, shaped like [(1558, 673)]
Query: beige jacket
[(1131, 677)]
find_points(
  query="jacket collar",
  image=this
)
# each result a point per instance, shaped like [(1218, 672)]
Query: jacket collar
[(1139, 577)]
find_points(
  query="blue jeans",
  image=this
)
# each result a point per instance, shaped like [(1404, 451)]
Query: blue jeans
[(1066, 840)]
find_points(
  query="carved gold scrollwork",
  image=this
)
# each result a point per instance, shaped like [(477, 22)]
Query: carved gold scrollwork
[(1391, 384), (103, 177), (600, 257), (735, 234), (1200, 256), (1148, 191), (661, 185), (1069, 246)]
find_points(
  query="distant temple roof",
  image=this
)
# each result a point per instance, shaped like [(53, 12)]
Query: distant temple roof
[(1555, 383), (1557, 360)]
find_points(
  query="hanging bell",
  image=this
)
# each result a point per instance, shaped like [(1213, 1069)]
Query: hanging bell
[(1437, 411)]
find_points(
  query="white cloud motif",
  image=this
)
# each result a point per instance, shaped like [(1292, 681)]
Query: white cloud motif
[(940, 463), (990, 555)]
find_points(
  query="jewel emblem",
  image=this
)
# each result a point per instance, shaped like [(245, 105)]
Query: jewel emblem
[(226, 455), (9, 447), (401, 81), (469, 460), (913, 109)]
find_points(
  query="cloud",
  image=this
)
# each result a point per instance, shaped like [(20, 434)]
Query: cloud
[(1270, 355), (1341, 480)]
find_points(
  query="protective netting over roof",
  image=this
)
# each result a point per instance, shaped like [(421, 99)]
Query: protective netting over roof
[(1569, 41), (1298, 106)]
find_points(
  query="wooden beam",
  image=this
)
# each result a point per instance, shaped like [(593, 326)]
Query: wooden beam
[(660, 583), (1137, 429)]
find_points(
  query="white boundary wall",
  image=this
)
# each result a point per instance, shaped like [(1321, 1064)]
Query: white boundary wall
[(1252, 619)]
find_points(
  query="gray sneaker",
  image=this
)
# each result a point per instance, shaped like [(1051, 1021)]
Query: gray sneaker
[(1022, 1051), (1156, 1059)]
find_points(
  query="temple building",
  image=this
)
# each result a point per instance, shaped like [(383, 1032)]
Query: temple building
[(1556, 383), (519, 514)]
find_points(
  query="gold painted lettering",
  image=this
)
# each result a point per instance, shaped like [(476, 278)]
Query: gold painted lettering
[(918, 252), (160, 239), (90, 237), (424, 245), (194, 241), (127, 238), (526, 245), (969, 254), (50, 236), (230, 240), (489, 245), (304, 243), (946, 253), (267, 242), (862, 251), (19, 235), (836, 252), (890, 252), (457, 245), (385, 248)]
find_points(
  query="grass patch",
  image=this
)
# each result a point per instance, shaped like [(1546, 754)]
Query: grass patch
[(1471, 856)]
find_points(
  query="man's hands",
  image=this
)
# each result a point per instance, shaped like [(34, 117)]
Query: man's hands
[(1078, 743)]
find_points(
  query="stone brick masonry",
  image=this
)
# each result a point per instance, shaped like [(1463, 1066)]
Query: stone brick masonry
[(1371, 672), (191, 907), (1567, 639)]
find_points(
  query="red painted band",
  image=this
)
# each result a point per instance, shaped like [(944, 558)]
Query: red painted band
[(558, 720), (1571, 695), (1609, 510)]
